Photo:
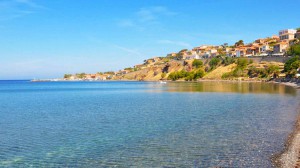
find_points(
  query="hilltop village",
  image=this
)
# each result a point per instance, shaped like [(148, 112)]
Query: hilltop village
[(264, 58)]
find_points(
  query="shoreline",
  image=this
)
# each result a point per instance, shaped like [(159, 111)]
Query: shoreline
[(290, 155)]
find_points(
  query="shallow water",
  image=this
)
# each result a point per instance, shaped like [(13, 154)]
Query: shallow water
[(143, 124)]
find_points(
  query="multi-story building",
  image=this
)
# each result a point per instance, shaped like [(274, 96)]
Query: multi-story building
[(250, 51), (281, 47), (240, 51), (264, 48), (288, 34)]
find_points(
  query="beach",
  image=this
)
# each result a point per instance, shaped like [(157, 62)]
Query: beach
[(290, 156)]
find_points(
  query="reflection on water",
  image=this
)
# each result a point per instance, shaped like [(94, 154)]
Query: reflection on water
[(230, 87), (143, 124)]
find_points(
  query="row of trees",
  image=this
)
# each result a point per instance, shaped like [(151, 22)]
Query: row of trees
[(195, 74), (271, 70), (188, 76)]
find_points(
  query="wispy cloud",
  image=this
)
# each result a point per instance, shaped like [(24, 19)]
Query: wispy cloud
[(152, 13), (126, 23), (178, 43), (12, 9), (145, 17), (30, 3), (128, 50)]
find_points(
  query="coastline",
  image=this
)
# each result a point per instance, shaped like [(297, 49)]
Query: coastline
[(290, 155)]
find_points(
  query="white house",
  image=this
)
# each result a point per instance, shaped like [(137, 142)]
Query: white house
[(287, 34)]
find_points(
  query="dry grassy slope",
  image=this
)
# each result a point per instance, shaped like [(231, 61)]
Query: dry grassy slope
[(218, 72), (154, 72)]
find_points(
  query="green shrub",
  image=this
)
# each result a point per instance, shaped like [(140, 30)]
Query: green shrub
[(290, 64), (274, 70), (227, 75), (197, 63), (214, 62), (242, 63), (67, 76), (80, 75), (294, 50), (228, 60), (188, 76), (199, 74)]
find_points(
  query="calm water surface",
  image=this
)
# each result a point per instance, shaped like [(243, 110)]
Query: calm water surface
[(140, 124)]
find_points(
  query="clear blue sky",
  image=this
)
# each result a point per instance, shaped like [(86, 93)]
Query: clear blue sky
[(47, 38)]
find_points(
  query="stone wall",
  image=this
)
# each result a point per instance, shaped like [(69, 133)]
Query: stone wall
[(291, 80), (269, 59), (258, 59)]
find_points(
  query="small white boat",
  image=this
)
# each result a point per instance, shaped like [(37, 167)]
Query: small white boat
[(163, 82)]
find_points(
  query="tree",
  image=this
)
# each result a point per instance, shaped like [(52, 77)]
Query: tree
[(214, 62), (179, 56), (228, 60), (66, 76), (257, 72), (199, 74), (188, 76), (274, 70), (197, 63), (109, 72), (289, 66), (221, 52), (242, 63), (239, 43), (183, 50), (294, 50), (80, 75), (129, 69)]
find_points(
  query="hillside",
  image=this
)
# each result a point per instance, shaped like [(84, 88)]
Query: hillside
[(162, 70), (218, 72), (153, 72)]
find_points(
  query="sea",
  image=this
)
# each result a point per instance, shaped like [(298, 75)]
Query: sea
[(144, 124)]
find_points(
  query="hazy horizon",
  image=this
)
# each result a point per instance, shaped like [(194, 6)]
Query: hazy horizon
[(46, 39)]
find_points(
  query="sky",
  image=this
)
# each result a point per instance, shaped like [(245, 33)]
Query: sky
[(50, 38)]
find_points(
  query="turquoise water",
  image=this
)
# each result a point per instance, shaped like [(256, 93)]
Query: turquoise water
[(143, 124)]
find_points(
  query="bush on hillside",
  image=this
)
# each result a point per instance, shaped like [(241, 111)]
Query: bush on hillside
[(291, 65), (66, 76), (188, 76), (228, 61), (242, 63), (294, 50), (214, 62), (197, 63), (80, 75)]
